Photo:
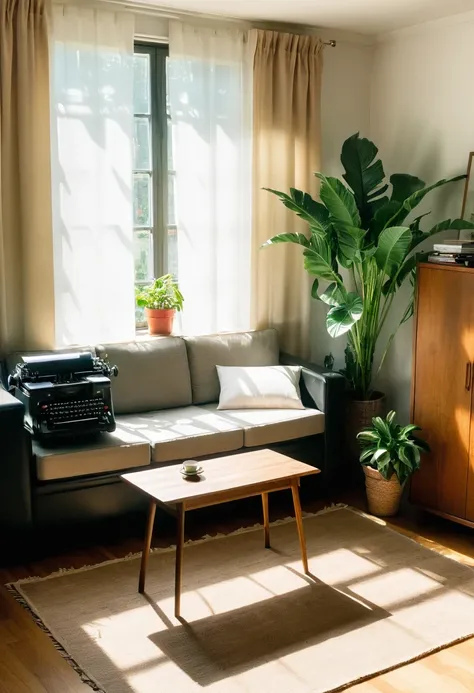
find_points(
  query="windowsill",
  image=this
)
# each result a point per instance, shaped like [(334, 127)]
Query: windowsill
[(142, 333)]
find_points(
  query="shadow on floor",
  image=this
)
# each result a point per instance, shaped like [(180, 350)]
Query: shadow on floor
[(220, 646)]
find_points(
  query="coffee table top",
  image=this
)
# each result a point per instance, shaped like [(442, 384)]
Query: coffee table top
[(221, 474)]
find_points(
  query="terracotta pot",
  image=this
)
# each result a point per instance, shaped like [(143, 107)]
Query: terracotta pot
[(160, 321), (383, 496), (359, 415)]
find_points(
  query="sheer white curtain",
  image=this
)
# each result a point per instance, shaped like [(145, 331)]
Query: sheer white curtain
[(92, 134), (210, 87)]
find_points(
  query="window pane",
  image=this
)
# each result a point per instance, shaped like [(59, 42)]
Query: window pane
[(139, 315), (171, 200), (141, 199), (141, 144), (173, 252), (141, 83), (143, 254)]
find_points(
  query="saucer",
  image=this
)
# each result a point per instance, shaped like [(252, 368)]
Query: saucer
[(198, 471)]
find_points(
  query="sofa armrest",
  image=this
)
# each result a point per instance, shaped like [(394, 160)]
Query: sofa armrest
[(15, 460), (326, 390)]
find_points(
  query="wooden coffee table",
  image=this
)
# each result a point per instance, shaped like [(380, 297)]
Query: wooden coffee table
[(224, 479)]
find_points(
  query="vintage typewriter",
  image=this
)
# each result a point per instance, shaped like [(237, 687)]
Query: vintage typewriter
[(65, 395)]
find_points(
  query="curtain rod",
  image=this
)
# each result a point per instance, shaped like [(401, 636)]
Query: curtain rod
[(140, 7)]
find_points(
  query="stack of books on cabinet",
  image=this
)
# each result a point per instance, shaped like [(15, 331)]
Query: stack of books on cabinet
[(453, 252)]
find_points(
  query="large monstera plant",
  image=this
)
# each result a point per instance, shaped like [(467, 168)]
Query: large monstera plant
[(362, 226)]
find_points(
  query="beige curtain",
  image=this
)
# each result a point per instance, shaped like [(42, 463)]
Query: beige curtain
[(26, 248), (286, 112)]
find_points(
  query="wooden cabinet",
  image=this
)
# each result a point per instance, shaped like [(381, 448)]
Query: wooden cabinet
[(442, 390)]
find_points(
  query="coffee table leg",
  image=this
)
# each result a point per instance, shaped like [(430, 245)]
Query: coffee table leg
[(179, 560), (146, 546), (299, 523), (266, 521)]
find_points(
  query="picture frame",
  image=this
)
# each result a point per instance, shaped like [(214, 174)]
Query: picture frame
[(467, 211)]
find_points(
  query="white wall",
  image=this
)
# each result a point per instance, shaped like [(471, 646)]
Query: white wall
[(422, 119)]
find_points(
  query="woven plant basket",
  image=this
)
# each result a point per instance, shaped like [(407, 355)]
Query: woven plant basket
[(383, 496), (359, 415)]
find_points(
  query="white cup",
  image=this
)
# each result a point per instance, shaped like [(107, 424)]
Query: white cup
[(190, 466)]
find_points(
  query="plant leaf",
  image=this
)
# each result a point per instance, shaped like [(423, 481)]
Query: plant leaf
[(415, 449), (404, 185), (390, 448), (417, 233), (305, 207), (379, 452), (334, 295), (406, 430), (340, 319), (421, 444), (368, 434), (395, 212), (318, 263), (381, 217), (377, 193), (162, 293), (392, 248), (367, 453), (404, 457), (446, 225), (314, 290), (407, 267), (416, 221), (411, 202), (451, 225), (384, 466), (381, 426), (349, 244), (298, 238), (363, 173), (339, 200)]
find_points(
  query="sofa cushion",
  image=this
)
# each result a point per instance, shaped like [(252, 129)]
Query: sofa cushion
[(153, 374), (267, 426), (259, 348), (184, 433), (109, 452), (259, 387)]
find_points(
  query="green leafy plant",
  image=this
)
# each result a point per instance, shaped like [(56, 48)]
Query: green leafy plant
[(162, 294), (361, 226), (391, 449)]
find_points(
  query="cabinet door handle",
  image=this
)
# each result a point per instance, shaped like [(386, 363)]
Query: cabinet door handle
[(467, 382)]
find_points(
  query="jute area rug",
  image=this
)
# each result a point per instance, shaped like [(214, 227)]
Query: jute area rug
[(252, 622)]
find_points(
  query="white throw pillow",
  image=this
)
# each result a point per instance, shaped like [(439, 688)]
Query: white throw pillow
[(259, 387)]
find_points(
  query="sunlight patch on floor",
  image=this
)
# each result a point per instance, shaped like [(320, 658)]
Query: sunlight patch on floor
[(341, 565), (395, 587), (125, 653)]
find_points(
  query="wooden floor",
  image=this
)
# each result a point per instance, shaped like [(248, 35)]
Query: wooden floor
[(29, 662)]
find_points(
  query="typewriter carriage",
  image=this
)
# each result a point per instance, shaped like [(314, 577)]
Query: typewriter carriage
[(65, 395)]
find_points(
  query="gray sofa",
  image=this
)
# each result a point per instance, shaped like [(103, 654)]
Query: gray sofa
[(165, 400)]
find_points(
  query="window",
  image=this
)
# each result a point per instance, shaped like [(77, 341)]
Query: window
[(154, 218)]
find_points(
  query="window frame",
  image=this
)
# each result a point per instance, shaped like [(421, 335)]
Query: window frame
[(158, 119)]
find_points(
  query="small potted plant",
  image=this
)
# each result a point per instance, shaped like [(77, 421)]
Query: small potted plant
[(161, 300), (390, 455)]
